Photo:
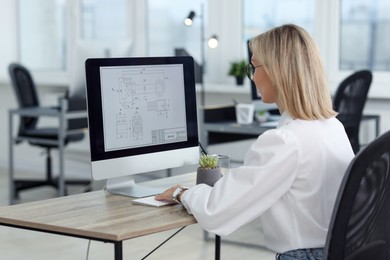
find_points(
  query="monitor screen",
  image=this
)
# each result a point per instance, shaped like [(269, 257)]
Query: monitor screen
[(142, 117), (255, 94), (198, 68)]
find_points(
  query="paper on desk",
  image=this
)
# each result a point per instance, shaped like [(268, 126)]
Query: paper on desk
[(150, 201)]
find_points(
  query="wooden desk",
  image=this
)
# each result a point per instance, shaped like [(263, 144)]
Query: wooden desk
[(221, 132), (99, 215)]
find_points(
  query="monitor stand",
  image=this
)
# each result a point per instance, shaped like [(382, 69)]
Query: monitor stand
[(126, 186)]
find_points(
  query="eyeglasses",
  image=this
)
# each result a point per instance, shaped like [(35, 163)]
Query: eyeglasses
[(250, 70)]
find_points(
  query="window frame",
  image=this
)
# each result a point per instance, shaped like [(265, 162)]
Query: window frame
[(225, 21), (381, 79)]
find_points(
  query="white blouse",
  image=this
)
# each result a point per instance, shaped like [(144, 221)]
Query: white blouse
[(290, 179)]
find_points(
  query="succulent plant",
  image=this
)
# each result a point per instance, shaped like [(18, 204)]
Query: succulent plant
[(207, 161)]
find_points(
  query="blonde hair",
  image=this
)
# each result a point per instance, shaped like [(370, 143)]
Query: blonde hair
[(292, 60)]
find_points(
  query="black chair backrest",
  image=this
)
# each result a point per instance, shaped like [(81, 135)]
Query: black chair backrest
[(77, 103), (360, 224), (25, 92), (27, 96), (349, 101)]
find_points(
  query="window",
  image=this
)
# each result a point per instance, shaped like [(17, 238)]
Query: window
[(167, 30), (42, 34), (103, 20), (364, 35), (262, 15), (352, 34), (98, 28)]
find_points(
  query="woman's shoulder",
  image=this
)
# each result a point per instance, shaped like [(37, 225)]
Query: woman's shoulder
[(312, 132), (278, 136)]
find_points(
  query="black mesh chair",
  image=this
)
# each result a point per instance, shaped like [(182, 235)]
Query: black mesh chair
[(349, 101), (44, 137), (360, 225)]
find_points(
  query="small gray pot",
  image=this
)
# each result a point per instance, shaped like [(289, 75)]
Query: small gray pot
[(208, 176)]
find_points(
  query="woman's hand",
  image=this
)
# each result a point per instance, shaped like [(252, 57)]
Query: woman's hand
[(166, 195)]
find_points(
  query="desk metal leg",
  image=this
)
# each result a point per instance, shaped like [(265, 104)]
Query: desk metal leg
[(377, 126), (61, 138), (118, 250), (11, 160), (217, 244), (217, 247)]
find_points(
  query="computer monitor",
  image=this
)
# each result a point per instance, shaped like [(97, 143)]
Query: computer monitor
[(254, 93), (198, 68), (142, 117)]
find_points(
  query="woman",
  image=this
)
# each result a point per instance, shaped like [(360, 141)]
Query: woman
[(291, 174)]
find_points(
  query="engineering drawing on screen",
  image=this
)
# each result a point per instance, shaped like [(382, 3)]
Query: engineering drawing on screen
[(143, 105)]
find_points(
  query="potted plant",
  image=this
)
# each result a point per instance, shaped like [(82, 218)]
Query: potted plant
[(238, 70), (262, 116), (208, 171)]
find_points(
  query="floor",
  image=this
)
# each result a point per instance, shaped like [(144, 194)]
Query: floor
[(190, 243)]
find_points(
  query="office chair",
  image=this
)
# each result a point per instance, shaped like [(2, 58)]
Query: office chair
[(27, 97), (360, 226), (349, 101)]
